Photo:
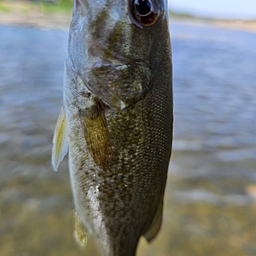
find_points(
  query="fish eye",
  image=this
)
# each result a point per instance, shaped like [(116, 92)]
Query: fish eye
[(144, 12)]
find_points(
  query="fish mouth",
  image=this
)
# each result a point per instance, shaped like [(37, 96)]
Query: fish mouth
[(105, 68), (120, 84)]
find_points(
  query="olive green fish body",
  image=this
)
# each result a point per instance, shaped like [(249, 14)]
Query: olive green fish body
[(116, 122)]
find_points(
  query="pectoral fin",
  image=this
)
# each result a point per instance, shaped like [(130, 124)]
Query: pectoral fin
[(156, 224), (80, 233), (96, 135), (60, 143)]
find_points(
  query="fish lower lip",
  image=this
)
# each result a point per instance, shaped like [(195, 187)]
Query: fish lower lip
[(118, 66), (112, 66)]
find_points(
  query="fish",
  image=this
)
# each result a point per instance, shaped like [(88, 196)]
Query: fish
[(116, 121)]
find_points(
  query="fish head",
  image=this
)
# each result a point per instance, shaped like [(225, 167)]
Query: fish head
[(111, 44)]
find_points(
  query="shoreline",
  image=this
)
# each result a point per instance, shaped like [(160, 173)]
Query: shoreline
[(62, 20), (37, 20), (244, 25)]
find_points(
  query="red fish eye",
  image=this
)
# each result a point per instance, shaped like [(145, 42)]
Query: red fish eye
[(144, 12)]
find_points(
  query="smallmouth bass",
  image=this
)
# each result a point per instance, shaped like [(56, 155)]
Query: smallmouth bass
[(116, 120)]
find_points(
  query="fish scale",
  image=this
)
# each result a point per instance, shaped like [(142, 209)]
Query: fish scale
[(117, 121)]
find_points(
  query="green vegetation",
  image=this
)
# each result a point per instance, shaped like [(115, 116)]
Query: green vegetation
[(4, 8), (62, 5), (46, 6)]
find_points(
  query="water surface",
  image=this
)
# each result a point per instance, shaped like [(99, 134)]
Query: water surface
[(210, 203)]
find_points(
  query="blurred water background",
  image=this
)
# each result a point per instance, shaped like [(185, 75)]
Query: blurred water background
[(210, 202)]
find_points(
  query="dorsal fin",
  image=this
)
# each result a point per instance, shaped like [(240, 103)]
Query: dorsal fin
[(60, 143)]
